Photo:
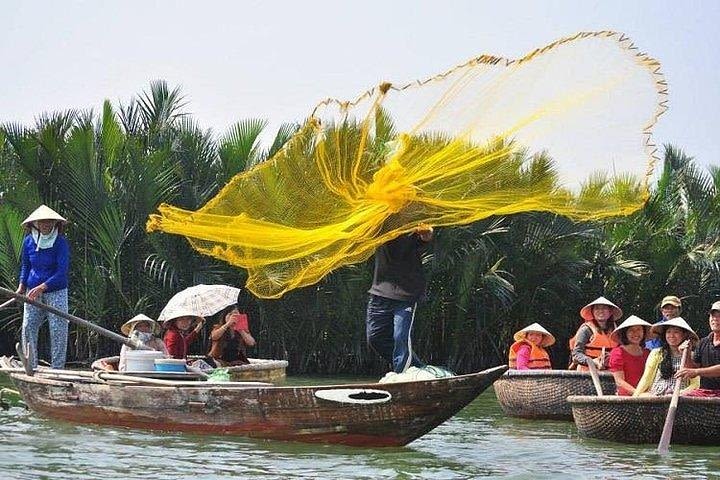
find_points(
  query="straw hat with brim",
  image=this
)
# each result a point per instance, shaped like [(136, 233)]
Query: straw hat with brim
[(631, 321), (177, 314), (586, 311), (43, 212), (659, 329), (547, 340), (128, 326)]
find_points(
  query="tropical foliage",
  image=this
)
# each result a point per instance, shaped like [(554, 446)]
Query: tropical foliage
[(107, 171)]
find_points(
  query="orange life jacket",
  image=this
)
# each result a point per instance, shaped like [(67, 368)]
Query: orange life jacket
[(539, 357), (594, 347)]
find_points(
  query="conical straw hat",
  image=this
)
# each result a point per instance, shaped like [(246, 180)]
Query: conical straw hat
[(659, 328), (631, 321), (43, 212), (586, 311), (548, 338), (128, 326)]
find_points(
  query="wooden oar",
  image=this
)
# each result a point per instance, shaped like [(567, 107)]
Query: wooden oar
[(130, 342), (664, 444), (595, 376), (8, 303)]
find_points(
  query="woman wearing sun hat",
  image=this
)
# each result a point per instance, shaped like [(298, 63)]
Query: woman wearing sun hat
[(662, 363), (143, 328), (44, 266), (592, 339), (627, 361), (528, 351)]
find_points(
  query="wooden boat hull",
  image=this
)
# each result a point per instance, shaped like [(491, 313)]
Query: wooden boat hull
[(374, 415), (542, 394), (640, 420), (258, 370)]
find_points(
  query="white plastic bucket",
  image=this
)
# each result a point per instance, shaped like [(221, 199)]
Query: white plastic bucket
[(142, 360)]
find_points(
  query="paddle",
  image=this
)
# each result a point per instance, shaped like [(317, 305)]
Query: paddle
[(595, 376), (130, 342), (664, 444)]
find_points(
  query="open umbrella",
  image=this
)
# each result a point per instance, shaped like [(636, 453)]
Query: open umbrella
[(199, 301)]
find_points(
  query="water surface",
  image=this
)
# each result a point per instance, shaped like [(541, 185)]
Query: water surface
[(479, 442)]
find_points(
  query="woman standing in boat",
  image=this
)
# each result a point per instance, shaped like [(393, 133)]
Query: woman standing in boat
[(528, 352), (180, 334), (44, 266), (230, 337), (627, 361), (592, 341), (662, 363)]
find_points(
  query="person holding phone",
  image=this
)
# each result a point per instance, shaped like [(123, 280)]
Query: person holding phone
[(230, 338)]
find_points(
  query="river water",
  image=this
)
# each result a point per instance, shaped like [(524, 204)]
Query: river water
[(479, 442)]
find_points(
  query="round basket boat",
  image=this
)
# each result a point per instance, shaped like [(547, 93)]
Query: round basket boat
[(259, 369), (641, 419), (542, 394)]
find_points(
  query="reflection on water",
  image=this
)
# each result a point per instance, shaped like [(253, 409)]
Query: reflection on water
[(478, 442)]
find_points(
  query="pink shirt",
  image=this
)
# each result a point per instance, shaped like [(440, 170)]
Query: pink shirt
[(632, 366), (523, 357)]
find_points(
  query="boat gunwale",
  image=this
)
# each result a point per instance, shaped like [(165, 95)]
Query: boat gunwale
[(44, 377)]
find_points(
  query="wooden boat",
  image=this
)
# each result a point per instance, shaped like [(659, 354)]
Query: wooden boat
[(259, 369), (390, 414), (641, 419), (542, 394)]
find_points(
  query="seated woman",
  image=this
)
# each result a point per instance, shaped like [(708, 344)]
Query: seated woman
[(528, 351), (180, 334), (662, 363), (627, 361), (143, 328), (230, 337), (592, 340)]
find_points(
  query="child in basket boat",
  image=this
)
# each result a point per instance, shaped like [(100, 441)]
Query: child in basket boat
[(230, 338), (592, 340), (143, 328), (528, 351), (662, 363), (627, 361)]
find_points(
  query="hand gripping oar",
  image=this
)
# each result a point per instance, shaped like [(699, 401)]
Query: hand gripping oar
[(664, 444), (130, 342), (595, 376)]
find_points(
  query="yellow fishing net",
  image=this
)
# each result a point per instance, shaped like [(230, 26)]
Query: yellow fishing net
[(565, 129)]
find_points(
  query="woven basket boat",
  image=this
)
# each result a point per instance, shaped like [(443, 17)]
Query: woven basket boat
[(641, 419), (542, 394)]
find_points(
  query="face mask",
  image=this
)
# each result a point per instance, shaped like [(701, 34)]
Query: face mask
[(142, 336), (44, 241)]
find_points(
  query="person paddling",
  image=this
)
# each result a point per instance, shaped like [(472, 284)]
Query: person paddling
[(44, 268), (592, 340), (706, 359)]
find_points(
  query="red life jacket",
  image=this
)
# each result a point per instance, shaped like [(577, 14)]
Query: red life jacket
[(539, 358)]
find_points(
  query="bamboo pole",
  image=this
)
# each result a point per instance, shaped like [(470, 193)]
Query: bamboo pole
[(130, 342)]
